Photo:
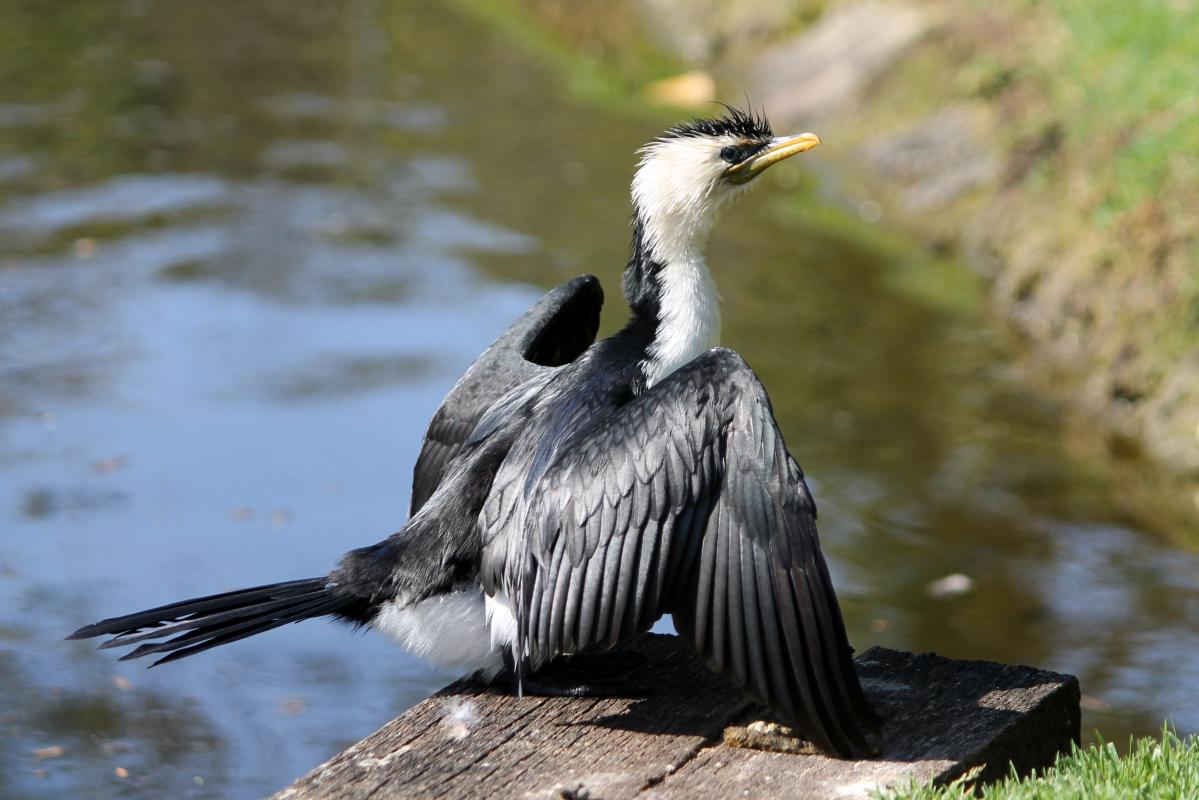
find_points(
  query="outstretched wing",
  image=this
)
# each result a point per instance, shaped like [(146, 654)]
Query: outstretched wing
[(554, 332), (685, 500)]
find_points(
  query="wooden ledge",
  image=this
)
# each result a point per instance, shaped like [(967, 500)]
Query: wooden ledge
[(942, 717)]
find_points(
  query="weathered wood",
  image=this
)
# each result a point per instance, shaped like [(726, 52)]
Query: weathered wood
[(942, 717)]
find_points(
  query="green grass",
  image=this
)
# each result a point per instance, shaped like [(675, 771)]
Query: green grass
[(1124, 87), (1129, 95), (1153, 769)]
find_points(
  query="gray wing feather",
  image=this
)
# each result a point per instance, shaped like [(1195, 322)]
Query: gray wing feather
[(686, 501), (553, 332)]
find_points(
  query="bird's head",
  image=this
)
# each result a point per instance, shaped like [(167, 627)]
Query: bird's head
[(694, 169)]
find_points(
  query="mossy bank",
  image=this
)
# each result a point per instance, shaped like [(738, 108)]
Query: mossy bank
[(1049, 144)]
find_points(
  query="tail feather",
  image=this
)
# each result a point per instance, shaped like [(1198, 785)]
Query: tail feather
[(206, 622), (168, 628), (216, 635)]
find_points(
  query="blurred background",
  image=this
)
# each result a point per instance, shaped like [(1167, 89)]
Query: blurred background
[(245, 249)]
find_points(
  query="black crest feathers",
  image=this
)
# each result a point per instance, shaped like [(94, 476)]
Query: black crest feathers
[(748, 124)]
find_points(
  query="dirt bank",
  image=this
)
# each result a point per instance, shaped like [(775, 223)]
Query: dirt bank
[(980, 129)]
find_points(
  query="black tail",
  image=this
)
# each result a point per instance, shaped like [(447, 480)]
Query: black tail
[(219, 619)]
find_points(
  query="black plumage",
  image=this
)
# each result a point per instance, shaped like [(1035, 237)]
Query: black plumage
[(553, 332), (585, 494), (680, 500), (218, 619), (746, 124)]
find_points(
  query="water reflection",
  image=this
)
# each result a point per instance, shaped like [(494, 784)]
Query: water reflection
[(244, 250)]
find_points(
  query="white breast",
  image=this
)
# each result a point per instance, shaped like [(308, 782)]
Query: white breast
[(689, 318)]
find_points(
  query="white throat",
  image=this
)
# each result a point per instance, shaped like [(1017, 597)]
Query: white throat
[(689, 318)]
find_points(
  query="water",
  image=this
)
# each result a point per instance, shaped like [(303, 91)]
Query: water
[(244, 251)]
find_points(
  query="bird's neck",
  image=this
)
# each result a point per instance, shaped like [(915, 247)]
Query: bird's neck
[(674, 302)]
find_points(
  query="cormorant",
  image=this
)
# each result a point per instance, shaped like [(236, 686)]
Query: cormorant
[(571, 492)]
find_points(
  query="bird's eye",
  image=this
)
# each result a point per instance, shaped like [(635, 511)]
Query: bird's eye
[(730, 154)]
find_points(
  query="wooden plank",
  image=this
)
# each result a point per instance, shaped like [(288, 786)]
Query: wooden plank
[(942, 716)]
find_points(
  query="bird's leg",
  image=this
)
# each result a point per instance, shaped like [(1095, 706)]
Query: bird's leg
[(607, 674)]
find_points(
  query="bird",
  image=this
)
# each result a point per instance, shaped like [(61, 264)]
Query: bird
[(570, 492)]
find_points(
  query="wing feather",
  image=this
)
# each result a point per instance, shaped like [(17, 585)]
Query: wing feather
[(720, 592), (608, 595), (771, 638), (590, 596), (685, 500), (555, 331), (624, 587), (734, 610), (701, 619), (755, 650)]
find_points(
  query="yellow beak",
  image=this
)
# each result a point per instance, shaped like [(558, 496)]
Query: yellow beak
[(781, 148)]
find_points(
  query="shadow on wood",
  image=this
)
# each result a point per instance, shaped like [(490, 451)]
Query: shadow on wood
[(941, 717)]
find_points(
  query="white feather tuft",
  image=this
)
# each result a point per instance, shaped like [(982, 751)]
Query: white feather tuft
[(459, 718), (500, 621), (449, 630)]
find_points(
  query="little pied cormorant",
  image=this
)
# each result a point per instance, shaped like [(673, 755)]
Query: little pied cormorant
[(570, 492)]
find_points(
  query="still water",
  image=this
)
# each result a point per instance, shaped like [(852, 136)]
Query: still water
[(244, 251)]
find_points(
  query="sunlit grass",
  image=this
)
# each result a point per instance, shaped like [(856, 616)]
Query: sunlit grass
[(1165, 768), (1128, 95)]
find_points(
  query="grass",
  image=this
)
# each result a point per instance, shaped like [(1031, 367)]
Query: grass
[(1128, 95), (1153, 769), (1092, 106), (1121, 84), (1128, 99)]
